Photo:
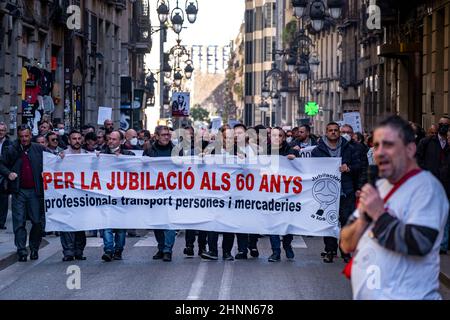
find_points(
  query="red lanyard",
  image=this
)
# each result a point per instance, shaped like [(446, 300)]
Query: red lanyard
[(348, 267), (399, 183)]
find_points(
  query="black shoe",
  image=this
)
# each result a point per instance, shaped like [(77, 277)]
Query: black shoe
[(80, 257), (167, 256), (323, 254), (241, 256), (274, 257), (254, 253), (107, 257), (2, 227), (68, 258), (117, 255), (189, 251), (34, 255), (329, 257), (289, 252), (158, 256), (209, 255), (132, 235), (227, 257), (22, 258), (201, 251), (442, 252)]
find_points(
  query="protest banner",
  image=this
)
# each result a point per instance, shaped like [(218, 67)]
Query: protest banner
[(86, 192)]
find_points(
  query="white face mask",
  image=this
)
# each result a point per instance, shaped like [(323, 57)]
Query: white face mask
[(134, 142), (141, 142), (175, 141), (289, 139), (61, 132), (346, 136)]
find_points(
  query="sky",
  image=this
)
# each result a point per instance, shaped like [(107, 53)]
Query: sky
[(218, 23)]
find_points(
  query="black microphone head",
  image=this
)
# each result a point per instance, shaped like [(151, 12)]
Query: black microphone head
[(372, 174)]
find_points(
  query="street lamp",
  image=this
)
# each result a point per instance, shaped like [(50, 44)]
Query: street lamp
[(177, 78), (191, 11), (291, 62), (303, 69), (177, 20), (188, 70), (335, 8), (163, 12), (275, 98), (314, 62), (317, 11), (265, 92), (299, 7)]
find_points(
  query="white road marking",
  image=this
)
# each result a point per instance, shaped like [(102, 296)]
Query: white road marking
[(94, 242), (199, 280), (14, 272), (148, 241), (299, 242), (225, 283)]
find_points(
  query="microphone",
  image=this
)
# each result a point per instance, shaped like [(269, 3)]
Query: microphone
[(372, 177)]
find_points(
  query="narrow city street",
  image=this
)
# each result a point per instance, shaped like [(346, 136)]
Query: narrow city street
[(139, 277)]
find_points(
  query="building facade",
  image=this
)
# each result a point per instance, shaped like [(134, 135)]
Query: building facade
[(62, 59), (259, 39)]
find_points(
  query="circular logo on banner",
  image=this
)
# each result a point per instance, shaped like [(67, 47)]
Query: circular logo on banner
[(326, 192), (332, 217)]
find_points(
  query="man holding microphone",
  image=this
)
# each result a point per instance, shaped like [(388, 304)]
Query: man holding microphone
[(397, 228)]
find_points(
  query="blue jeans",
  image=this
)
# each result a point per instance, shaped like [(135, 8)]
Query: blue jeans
[(275, 242), (444, 243), (165, 239), (114, 243)]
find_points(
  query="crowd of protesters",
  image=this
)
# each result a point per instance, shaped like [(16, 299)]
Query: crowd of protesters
[(21, 165)]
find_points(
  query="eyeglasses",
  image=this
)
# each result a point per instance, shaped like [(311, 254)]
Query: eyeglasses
[(53, 140)]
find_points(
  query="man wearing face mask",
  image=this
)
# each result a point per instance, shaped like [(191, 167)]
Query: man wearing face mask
[(131, 140), (63, 137), (433, 154), (359, 177)]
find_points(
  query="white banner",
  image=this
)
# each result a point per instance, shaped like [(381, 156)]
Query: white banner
[(86, 192)]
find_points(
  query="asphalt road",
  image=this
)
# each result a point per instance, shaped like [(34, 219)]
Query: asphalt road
[(139, 277)]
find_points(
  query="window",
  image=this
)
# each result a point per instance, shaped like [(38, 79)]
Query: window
[(248, 52), (249, 21)]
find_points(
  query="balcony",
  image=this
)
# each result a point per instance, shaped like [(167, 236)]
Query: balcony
[(119, 4), (141, 28), (35, 14)]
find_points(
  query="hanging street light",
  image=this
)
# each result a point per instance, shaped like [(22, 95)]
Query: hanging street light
[(163, 12), (191, 11), (188, 70)]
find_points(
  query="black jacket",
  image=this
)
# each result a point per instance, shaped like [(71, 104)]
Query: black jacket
[(285, 150), (349, 157), (156, 150), (5, 144), (431, 157), (297, 142), (11, 162), (360, 177)]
